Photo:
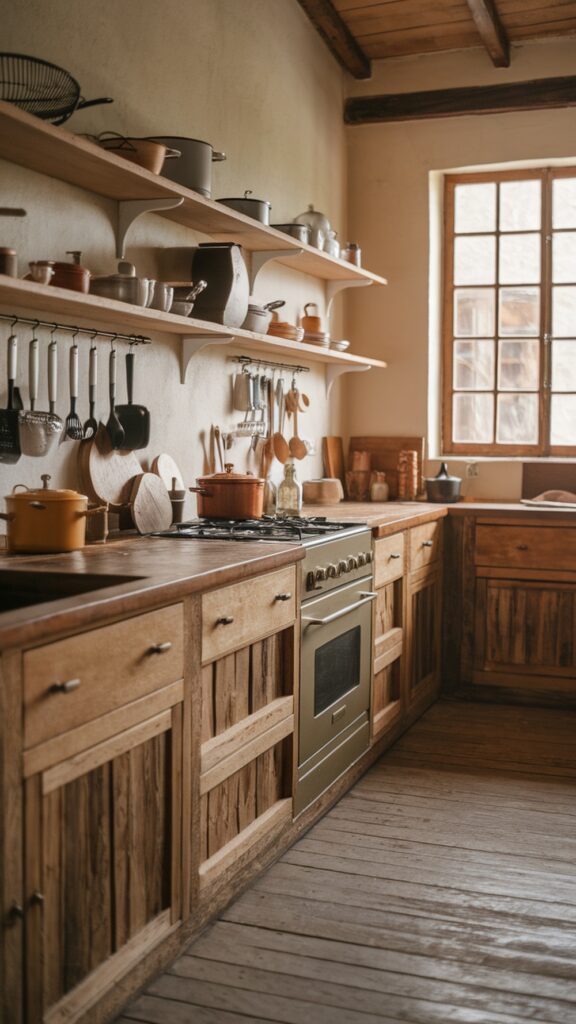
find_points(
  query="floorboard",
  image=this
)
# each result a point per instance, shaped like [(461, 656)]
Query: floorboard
[(440, 890)]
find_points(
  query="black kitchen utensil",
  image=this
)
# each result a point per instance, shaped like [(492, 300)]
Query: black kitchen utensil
[(91, 425), (114, 427), (135, 419), (9, 436), (74, 427), (41, 88)]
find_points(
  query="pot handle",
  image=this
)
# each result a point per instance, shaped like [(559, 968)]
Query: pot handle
[(92, 511), (201, 490), (8, 517), (171, 154), (217, 157)]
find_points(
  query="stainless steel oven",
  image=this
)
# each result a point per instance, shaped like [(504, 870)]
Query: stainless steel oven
[(336, 662)]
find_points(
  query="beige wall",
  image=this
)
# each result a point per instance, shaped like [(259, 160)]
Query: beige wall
[(389, 169), (251, 77)]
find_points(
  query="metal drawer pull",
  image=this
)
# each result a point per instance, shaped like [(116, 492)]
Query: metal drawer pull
[(394, 556), (522, 547), (283, 597), (366, 598), (37, 898), (338, 714), (67, 687), (15, 913), (427, 543), (225, 620), (160, 648)]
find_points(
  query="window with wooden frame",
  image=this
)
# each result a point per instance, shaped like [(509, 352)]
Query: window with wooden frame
[(509, 365)]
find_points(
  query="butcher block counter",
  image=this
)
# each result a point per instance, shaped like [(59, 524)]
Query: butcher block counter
[(384, 518)]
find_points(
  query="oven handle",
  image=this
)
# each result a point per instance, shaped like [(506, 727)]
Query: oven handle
[(366, 596)]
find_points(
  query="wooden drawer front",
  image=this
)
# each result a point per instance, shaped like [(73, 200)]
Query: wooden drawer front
[(237, 615), (425, 543), (115, 665), (525, 547), (388, 559)]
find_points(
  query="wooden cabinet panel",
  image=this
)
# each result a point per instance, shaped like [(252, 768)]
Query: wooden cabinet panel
[(235, 616), (423, 630), (386, 697), (425, 545), (114, 665), (525, 547), (389, 559), (101, 859)]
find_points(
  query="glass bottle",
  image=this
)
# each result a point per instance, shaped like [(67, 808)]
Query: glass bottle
[(289, 498)]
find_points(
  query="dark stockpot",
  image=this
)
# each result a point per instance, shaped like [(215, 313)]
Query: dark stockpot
[(443, 487), (229, 495), (299, 231), (194, 168), (222, 266), (258, 209)]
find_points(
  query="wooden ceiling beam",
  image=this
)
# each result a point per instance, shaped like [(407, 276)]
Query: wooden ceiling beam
[(338, 37), (491, 31), (538, 94)]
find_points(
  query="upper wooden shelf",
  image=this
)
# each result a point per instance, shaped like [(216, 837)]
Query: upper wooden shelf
[(31, 142)]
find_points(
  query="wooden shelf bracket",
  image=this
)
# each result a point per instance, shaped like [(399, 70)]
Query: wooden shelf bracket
[(191, 344), (260, 257), (333, 287), (130, 209), (333, 371)]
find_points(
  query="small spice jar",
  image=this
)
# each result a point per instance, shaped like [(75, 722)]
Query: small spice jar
[(379, 489), (352, 253), (8, 262)]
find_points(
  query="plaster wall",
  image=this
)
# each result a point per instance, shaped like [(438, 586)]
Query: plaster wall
[(393, 169), (252, 78)]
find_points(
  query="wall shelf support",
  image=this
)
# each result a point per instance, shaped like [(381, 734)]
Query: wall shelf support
[(193, 343), (333, 287), (130, 209), (262, 256), (333, 371)]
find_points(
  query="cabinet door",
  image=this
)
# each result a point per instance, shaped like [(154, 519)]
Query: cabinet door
[(524, 635), (423, 636), (102, 864), (386, 705)]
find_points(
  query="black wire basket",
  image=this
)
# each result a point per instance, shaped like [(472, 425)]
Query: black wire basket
[(41, 88)]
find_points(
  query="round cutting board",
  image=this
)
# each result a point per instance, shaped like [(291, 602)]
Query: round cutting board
[(165, 467), (150, 505), (106, 474)]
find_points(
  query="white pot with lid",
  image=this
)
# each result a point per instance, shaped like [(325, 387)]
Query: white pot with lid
[(318, 223)]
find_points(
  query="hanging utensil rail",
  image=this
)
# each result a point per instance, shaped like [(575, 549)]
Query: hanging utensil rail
[(133, 339), (251, 361)]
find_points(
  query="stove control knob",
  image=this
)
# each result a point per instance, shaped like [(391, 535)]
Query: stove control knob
[(352, 563), (332, 571), (310, 581), (343, 566), (368, 557), (361, 559), (321, 575)]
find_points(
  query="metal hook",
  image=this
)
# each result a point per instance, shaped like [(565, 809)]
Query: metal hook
[(15, 321), (35, 328), (54, 328), (112, 340)]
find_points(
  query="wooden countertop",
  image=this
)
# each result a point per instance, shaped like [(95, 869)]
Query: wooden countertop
[(162, 571), (383, 517)]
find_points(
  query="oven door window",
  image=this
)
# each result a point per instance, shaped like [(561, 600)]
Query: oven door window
[(336, 669)]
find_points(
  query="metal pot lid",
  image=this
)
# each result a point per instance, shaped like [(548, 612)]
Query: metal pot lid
[(246, 198), (443, 474), (231, 478), (40, 494)]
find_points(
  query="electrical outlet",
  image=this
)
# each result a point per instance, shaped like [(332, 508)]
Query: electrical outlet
[(472, 469)]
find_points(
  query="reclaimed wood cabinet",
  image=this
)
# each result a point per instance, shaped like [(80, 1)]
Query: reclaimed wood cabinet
[(517, 591)]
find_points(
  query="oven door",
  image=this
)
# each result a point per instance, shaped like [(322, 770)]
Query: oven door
[(336, 664)]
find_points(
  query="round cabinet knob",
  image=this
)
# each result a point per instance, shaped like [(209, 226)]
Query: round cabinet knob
[(333, 571), (522, 547), (343, 566), (225, 620), (68, 687), (427, 543), (361, 559), (351, 564), (283, 597), (160, 648), (321, 574)]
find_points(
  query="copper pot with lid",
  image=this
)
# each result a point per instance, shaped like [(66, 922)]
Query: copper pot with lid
[(230, 495), (46, 520)]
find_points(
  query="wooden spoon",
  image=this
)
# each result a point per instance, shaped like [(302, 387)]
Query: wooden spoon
[(298, 449), (279, 442)]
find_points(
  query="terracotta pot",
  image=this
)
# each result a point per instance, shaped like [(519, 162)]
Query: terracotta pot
[(46, 520), (230, 495)]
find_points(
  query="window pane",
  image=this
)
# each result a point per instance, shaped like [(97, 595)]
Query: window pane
[(472, 419), (475, 207), (564, 203), (475, 259), (520, 205), (474, 312), (519, 259), (517, 419), (518, 365), (563, 419), (564, 257), (474, 365), (519, 311), (564, 365), (564, 312)]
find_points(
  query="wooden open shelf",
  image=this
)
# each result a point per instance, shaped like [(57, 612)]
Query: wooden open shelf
[(17, 295), (32, 143)]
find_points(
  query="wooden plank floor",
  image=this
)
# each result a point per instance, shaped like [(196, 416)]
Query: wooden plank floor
[(441, 889)]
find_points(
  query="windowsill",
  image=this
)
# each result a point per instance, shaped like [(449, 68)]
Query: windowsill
[(539, 459)]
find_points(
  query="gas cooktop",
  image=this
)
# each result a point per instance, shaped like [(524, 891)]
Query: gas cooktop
[(296, 529)]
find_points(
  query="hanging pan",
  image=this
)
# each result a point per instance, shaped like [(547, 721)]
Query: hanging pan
[(135, 419)]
